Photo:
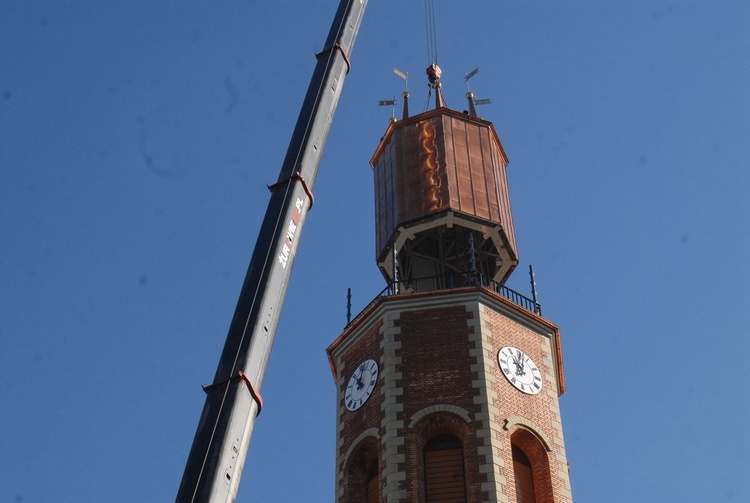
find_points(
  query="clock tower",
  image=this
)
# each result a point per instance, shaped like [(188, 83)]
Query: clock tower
[(447, 382)]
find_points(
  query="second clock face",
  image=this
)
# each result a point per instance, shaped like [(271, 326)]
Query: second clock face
[(361, 384), (520, 370)]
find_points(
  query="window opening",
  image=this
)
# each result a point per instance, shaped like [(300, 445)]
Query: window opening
[(444, 478), (524, 476), (373, 484)]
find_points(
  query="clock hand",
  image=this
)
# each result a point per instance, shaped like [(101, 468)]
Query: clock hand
[(519, 366), (360, 384)]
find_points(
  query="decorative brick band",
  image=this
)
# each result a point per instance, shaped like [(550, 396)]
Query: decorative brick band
[(451, 409), (530, 425)]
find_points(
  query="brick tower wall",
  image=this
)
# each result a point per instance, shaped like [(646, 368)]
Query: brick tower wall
[(511, 410), (438, 374)]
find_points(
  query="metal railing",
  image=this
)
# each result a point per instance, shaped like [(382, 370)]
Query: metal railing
[(451, 282)]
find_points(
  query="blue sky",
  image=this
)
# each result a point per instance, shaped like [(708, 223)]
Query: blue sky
[(136, 142)]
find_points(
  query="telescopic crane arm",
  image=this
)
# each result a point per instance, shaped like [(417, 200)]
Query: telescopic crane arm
[(217, 456)]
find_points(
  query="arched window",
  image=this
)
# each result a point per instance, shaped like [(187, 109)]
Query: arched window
[(531, 468), (444, 479), (523, 475), (362, 476)]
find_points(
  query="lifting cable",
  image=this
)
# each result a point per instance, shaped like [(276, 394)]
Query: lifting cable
[(429, 14), (432, 56)]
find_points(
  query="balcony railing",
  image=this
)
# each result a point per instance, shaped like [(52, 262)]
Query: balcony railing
[(451, 282)]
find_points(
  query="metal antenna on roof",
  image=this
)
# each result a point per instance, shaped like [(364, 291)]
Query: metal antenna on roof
[(483, 101), (348, 306), (404, 76), (470, 96), (537, 307), (468, 77), (391, 103)]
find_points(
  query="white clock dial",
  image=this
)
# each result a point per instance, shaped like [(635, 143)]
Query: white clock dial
[(520, 370), (361, 384)]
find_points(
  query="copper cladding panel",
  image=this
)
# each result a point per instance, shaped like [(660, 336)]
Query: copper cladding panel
[(437, 161)]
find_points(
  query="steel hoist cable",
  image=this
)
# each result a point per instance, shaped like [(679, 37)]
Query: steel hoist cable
[(429, 14)]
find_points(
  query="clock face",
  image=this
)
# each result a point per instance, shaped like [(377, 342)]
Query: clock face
[(520, 370), (361, 384)]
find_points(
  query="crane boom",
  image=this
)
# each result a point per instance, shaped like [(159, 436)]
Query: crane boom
[(217, 456)]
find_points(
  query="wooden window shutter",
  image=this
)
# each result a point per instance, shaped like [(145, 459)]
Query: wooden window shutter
[(524, 477), (444, 470), (373, 489)]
